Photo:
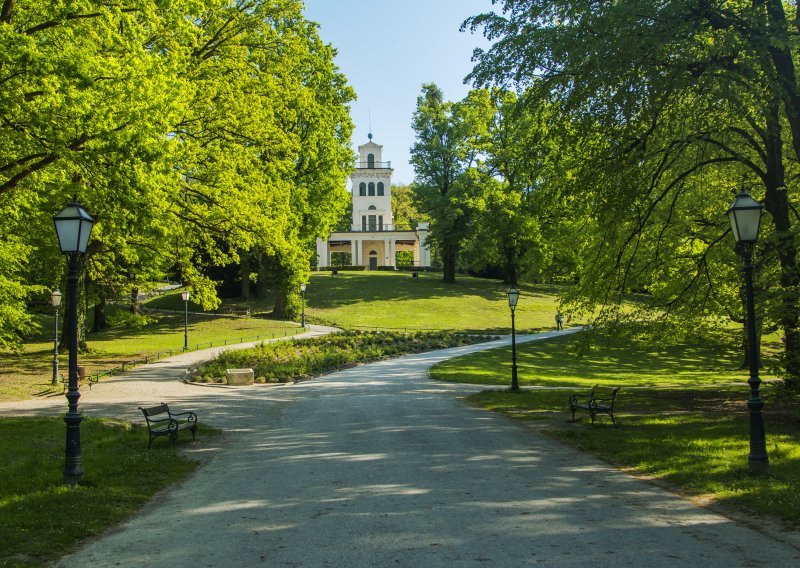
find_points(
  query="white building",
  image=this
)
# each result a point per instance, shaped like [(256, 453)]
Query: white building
[(373, 239)]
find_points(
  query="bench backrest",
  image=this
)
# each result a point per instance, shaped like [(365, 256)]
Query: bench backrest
[(155, 410), (604, 392)]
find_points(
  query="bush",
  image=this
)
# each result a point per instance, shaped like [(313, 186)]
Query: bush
[(284, 361)]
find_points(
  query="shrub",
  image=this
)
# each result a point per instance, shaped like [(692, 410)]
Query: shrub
[(285, 361)]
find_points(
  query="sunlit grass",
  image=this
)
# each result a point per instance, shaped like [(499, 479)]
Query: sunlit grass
[(41, 518), (555, 362), (29, 373)]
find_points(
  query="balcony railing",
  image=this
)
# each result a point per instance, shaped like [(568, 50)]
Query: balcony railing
[(360, 228), (373, 165)]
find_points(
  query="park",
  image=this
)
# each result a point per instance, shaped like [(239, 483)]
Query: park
[(554, 319)]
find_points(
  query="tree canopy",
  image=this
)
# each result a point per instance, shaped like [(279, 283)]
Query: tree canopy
[(194, 133)]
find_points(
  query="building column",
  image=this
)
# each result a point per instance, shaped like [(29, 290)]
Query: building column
[(392, 254), (357, 258), (416, 253), (386, 252), (323, 257), (424, 247), (352, 251)]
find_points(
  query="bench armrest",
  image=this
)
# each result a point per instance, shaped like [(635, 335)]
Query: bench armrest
[(192, 417), (578, 397)]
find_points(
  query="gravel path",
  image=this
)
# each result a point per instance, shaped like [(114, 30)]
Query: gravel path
[(378, 466)]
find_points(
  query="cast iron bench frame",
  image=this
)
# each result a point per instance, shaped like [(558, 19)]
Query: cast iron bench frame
[(598, 400), (161, 421)]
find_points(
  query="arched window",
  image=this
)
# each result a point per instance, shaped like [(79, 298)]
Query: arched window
[(371, 189), (370, 161), (362, 189), (380, 188), (372, 208)]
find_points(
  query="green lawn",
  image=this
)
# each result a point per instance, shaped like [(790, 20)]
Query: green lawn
[(41, 518), (395, 300), (554, 363), (29, 373), (682, 415), (388, 300)]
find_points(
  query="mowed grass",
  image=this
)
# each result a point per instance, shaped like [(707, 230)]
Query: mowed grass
[(29, 373), (554, 363), (681, 413), (396, 301), (41, 518)]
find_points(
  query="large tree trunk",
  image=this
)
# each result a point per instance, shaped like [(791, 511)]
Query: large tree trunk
[(135, 300), (244, 273), (100, 317), (777, 202), (449, 264)]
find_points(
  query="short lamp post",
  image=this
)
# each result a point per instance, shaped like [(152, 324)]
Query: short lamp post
[(55, 300), (73, 227), (303, 299), (513, 298), (185, 295), (745, 218)]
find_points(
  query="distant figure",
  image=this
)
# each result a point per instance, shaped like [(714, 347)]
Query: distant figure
[(559, 321)]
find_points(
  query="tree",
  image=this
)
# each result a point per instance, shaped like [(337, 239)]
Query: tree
[(687, 96), (441, 156)]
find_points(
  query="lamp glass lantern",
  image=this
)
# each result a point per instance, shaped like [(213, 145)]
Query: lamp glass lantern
[(744, 215), (185, 295), (513, 297), (55, 298), (73, 227), (302, 287)]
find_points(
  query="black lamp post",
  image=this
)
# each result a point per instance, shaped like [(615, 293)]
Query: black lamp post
[(513, 298), (303, 297), (73, 227), (185, 296), (55, 300), (745, 218)]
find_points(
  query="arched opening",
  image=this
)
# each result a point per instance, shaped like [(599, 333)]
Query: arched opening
[(372, 208), (370, 161), (371, 187), (362, 189), (380, 188), (373, 260)]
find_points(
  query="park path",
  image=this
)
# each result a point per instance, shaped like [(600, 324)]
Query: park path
[(378, 466)]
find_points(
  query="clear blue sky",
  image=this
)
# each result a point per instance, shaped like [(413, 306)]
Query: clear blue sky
[(387, 49)]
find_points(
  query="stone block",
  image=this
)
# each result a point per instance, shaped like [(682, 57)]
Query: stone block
[(240, 376)]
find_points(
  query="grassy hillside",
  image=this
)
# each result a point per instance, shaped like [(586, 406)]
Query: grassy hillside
[(395, 300)]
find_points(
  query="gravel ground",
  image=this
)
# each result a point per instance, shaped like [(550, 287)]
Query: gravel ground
[(378, 466)]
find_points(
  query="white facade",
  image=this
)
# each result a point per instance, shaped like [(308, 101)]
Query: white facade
[(373, 239)]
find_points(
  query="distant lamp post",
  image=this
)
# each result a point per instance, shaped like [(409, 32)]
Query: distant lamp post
[(185, 296), (303, 297), (513, 298), (745, 218), (73, 227), (55, 300)]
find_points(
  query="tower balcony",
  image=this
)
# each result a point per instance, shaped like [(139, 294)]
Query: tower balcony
[(373, 165)]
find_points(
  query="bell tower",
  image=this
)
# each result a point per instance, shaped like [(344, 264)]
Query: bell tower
[(372, 183)]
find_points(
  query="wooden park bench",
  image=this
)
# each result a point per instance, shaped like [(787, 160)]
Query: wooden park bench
[(163, 422), (598, 400)]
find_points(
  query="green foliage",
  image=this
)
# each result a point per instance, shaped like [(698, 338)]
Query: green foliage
[(194, 133), (441, 157), (42, 518), (285, 361), (661, 110)]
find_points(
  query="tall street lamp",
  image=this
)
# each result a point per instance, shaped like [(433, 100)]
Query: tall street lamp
[(73, 227), (185, 296), (513, 298), (745, 218), (55, 300), (303, 297)]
